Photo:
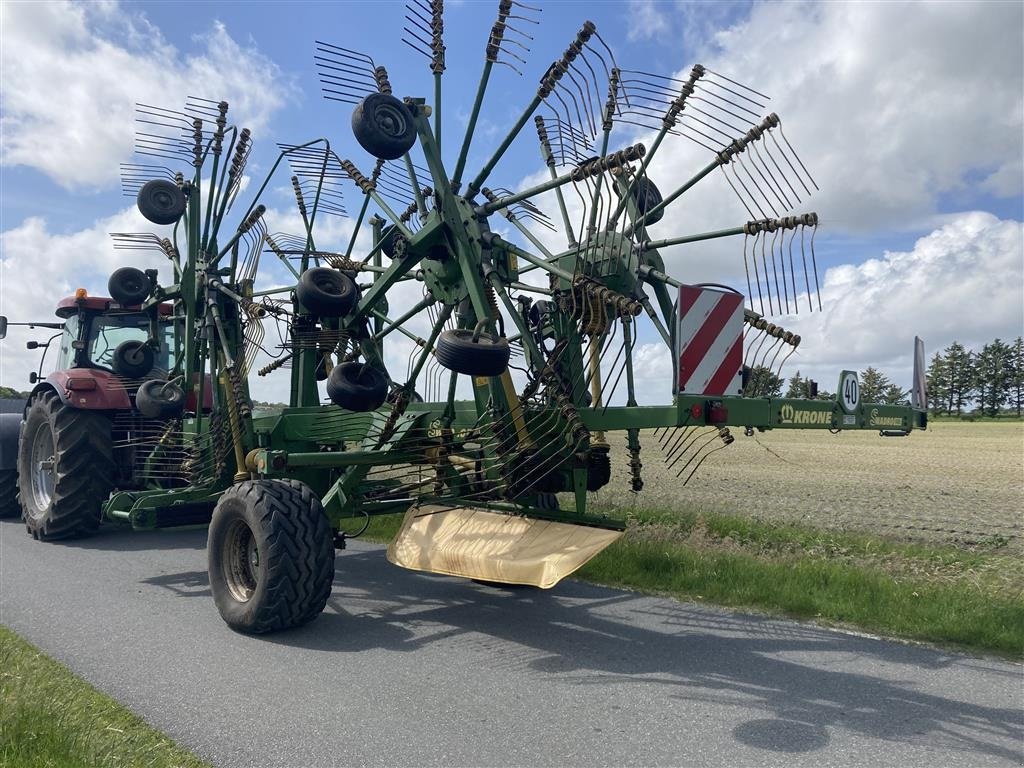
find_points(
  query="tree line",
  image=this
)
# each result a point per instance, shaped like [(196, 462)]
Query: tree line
[(990, 380), (960, 381)]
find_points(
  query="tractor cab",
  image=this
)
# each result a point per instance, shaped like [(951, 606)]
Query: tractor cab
[(100, 334)]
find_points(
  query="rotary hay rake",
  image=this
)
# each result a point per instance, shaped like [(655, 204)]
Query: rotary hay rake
[(543, 337)]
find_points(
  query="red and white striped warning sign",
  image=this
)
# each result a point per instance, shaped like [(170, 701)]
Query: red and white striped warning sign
[(709, 341)]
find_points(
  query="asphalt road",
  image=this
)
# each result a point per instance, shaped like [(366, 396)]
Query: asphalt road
[(409, 669)]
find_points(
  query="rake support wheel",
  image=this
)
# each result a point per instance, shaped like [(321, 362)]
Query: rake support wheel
[(133, 359), (326, 292), (270, 556), (357, 387), (486, 356), (161, 201), (383, 126), (129, 286)]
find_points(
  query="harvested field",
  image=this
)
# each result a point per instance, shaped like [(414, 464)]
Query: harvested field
[(958, 482)]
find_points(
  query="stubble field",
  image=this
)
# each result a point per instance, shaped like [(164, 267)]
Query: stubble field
[(956, 483)]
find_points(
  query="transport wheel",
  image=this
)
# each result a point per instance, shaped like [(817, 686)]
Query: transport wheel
[(9, 493), (161, 201), (646, 196), (158, 399), (383, 126), (270, 555), (65, 469), (133, 359), (357, 387), (326, 292), (129, 286), (487, 356)]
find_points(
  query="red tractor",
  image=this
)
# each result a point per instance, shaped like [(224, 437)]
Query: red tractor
[(113, 384)]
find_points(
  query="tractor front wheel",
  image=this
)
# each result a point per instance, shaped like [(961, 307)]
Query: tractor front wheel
[(65, 469), (270, 555), (9, 493)]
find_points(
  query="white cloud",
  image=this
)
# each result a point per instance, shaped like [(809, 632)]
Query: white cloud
[(72, 74), (647, 21), (962, 282), (891, 105), (39, 267)]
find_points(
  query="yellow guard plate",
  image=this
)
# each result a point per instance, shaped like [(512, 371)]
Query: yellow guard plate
[(489, 546)]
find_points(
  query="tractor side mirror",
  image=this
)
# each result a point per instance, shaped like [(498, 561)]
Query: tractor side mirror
[(3, 327), (33, 377), (31, 345)]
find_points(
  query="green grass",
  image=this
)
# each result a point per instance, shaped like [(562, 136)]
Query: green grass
[(966, 597), (51, 719)]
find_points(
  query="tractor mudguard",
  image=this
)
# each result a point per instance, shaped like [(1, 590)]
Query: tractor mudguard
[(10, 426), (88, 389)]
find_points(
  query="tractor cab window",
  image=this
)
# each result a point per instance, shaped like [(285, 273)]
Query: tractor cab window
[(106, 332), (66, 355)]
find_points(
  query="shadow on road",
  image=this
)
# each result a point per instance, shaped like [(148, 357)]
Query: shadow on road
[(123, 539), (789, 676), (590, 635)]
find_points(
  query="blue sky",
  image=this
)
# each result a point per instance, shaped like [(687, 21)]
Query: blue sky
[(910, 118)]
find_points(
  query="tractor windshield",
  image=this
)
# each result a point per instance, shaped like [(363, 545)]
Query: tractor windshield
[(106, 332)]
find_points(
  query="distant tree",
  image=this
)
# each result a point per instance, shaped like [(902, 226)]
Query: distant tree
[(938, 384), (992, 376), (961, 377), (873, 384), (797, 386), (8, 393), (1016, 400), (894, 395), (763, 383), (823, 395)]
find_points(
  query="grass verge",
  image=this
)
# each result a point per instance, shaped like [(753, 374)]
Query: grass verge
[(967, 597), (52, 719)]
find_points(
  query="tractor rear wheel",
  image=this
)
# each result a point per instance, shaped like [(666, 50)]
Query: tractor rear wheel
[(65, 469), (270, 555), (9, 493)]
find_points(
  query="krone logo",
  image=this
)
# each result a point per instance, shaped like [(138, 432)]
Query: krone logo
[(791, 415), (884, 421)]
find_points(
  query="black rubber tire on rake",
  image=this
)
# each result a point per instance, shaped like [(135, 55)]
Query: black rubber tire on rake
[(357, 387), (83, 469), (133, 359), (129, 286), (326, 292), (487, 356), (270, 556), (161, 201), (646, 195), (383, 126), (158, 399), (9, 506)]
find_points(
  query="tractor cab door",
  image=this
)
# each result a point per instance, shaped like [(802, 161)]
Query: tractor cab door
[(66, 351)]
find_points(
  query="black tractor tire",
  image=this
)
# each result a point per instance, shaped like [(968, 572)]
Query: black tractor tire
[(270, 554), (129, 286), (133, 359), (9, 506), (326, 292), (159, 399), (646, 195), (63, 500), (161, 201), (487, 356), (383, 126), (357, 387)]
